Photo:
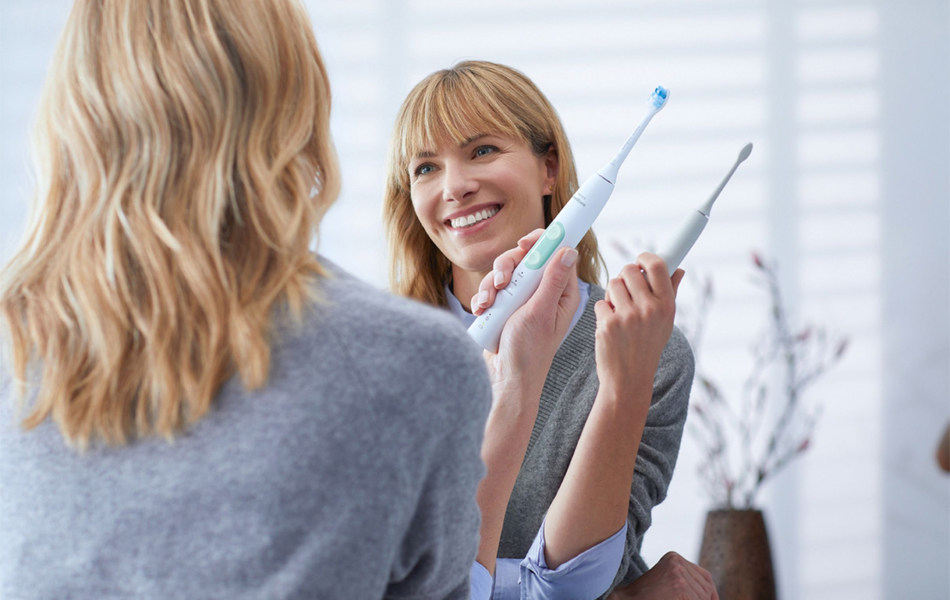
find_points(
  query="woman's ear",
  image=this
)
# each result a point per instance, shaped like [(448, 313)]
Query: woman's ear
[(551, 166)]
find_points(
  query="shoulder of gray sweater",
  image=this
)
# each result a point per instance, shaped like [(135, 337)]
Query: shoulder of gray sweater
[(674, 375), (677, 356), (400, 349)]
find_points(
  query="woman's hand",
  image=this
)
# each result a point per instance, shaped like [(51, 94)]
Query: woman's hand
[(672, 578), (502, 270), (634, 323), (528, 343), (533, 334)]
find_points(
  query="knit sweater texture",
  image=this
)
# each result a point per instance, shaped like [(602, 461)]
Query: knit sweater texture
[(350, 474), (566, 401)]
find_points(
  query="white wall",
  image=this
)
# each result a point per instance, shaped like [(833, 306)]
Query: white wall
[(847, 104)]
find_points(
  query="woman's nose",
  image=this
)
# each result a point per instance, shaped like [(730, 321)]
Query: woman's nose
[(458, 183)]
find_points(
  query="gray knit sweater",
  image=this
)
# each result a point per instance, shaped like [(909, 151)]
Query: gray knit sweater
[(351, 474), (569, 393)]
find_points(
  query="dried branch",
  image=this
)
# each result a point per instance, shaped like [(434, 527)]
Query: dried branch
[(745, 449)]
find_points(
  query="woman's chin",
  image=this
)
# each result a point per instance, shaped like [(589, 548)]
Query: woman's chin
[(480, 258)]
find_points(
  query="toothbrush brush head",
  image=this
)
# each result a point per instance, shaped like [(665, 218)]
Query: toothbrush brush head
[(658, 99), (745, 152)]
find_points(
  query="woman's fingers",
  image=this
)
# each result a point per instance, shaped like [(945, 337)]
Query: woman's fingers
[(684, 574), (657, 275), (648, 282), (695, 582), (700, 580), (704, 581), (708, 583), (558, 275), (529, 240), (619, 293), (636, 284), (505, 265), (496, 279), (485, 296), (502, 269), (677, 278)]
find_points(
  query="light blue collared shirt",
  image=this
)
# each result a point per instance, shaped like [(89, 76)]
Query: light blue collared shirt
[(587, 575)]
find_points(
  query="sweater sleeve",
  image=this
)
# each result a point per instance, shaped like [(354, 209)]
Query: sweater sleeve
[(659, 448), (439, 541)]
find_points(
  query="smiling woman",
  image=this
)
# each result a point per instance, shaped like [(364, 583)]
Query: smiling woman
[(590, 389)]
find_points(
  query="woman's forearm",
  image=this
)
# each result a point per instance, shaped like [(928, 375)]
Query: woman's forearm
[(591, 504), (507, 434)]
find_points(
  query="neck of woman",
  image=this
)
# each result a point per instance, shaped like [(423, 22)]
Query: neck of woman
[(465, 285)]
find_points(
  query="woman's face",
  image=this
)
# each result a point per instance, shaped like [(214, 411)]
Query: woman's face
[(477, 199)]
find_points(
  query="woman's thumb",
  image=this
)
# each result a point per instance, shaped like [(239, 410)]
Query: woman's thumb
[(557, 275)]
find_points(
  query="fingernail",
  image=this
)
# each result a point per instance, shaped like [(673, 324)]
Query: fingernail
[(569, 257), (499, 278), (482, 297)]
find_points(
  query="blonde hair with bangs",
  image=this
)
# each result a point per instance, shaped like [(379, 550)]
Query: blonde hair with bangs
[(451, 105), (184, 163)]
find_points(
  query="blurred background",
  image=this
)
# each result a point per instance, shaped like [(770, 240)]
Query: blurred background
[(847, 191)]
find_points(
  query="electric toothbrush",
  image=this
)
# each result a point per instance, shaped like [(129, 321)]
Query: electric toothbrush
[(676, 248), (566, 230)]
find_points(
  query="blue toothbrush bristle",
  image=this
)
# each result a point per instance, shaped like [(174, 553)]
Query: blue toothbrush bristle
[(660, 94)]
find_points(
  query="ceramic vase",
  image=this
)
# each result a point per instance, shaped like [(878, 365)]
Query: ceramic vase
[(736, 553)]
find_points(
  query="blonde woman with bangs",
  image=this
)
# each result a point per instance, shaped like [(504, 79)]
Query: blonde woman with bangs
[(586, 423), (199, 406)]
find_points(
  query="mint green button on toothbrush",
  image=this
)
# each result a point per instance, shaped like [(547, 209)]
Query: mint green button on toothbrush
[(545, 247)]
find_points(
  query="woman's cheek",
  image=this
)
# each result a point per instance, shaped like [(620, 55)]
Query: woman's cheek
[(424, 205)]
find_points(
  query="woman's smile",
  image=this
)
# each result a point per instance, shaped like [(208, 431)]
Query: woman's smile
[(458, 191), (472, 220)]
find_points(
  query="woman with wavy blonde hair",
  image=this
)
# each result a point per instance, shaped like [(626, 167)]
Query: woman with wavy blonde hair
[(238, 404), (590, 416)]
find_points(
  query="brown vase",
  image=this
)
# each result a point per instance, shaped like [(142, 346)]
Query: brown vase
[(736, 553)]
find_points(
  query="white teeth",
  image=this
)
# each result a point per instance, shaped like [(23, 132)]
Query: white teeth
[(473, 218)]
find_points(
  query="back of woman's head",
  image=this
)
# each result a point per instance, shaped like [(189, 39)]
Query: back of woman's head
[(450, 106), (183, 163)]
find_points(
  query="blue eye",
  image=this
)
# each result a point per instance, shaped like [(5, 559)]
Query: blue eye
[(485, 150), (424, 169)]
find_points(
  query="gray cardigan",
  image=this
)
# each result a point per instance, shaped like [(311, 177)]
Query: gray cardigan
[(569, 393)]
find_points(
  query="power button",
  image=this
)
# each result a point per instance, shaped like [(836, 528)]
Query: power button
[(546, 246)]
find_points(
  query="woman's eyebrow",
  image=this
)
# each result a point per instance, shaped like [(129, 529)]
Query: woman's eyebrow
[(472, 139), (469, 140)]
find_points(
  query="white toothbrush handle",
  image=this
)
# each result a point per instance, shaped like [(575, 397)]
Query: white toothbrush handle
[(674, 251), (566, 230)]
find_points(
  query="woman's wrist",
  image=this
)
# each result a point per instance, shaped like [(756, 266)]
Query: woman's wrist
[(515, 404), (631, 395), (517, 389)]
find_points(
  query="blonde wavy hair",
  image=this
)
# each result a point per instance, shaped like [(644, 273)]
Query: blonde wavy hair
[(452, 105), (184, 163)]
